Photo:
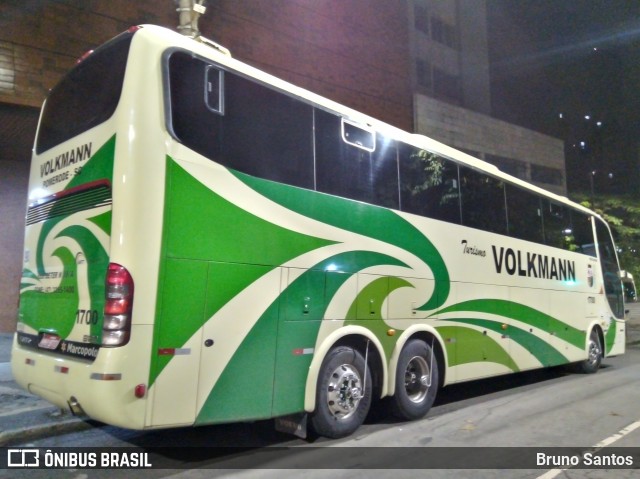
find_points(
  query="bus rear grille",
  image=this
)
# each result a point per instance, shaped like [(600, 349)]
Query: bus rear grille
[(69, 203)]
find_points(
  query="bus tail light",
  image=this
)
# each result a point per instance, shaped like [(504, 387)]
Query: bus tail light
[(116, 327)]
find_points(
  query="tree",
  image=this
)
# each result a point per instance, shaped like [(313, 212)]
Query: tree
[(623, 215)]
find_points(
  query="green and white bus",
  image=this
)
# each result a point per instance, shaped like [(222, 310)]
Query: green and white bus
[(206, 243)]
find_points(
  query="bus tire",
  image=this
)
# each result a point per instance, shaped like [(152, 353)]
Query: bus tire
[(595, 354), (416, 381), (343, 396)]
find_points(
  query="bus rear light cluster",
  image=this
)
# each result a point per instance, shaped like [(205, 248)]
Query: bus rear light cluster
[(116, 327)]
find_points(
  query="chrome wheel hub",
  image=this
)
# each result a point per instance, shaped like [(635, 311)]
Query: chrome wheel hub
[(344, 391), (417, 379), (594, 352)]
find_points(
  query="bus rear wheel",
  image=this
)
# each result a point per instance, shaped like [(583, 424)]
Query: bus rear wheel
[(343, 395), (416, 381)]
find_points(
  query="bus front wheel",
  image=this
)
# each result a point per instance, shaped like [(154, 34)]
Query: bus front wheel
[(595, 354), (416, 381), (344, 393)]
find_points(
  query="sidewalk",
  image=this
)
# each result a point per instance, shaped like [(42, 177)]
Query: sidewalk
[(25, 417)]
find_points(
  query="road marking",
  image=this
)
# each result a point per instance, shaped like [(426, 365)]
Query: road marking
[(602, 444), (26, 409)]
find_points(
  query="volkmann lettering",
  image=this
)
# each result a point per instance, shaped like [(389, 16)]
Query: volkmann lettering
[(533, 265), (71, 157)]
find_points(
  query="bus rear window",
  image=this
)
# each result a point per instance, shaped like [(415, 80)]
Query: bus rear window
[(86, 96)]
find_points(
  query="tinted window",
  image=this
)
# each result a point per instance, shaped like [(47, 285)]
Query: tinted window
[(429, 185), (266, 133), (483, 201), (345, 166), (582, 233), (244, 125), (610, 270), (557, 225), (524, 213), (87, 96)]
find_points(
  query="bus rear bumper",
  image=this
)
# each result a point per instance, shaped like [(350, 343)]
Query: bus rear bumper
[(82, 387)]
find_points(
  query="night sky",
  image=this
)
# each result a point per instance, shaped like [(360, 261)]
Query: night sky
[(578, 58)]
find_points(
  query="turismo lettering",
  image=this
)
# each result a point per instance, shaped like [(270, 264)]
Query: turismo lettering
[(533, 265), (71, 157), (472, 249)]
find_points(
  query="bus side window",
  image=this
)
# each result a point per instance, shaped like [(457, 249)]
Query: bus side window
[(239, 122), (483, 201), (266, 133), (610, 269), (582, 233), (557, 225), (524, 214), (192, 121), (354, 162), (429, 184)]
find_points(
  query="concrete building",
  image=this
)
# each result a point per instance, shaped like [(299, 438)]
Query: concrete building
[(421, 65), (452, 95)]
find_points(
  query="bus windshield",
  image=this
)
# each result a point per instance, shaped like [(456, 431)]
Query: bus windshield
[(87, 96)]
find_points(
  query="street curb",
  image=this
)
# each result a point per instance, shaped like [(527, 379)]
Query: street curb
[(40, 431)]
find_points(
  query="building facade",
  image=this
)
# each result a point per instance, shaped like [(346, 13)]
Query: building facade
[(452, 94)]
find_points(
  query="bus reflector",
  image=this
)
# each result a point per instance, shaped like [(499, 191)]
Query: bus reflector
[(116, 326), (106, 376), (140, 390)]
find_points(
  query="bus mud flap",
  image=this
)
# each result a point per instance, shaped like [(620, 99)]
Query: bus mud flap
[(295, 424)]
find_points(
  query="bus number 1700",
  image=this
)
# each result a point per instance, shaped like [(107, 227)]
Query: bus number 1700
[(87, 316)]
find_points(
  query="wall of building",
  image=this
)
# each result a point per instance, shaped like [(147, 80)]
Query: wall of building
[(474, 55), (532, 156), (450, 52), (352, 52), (452, 94)]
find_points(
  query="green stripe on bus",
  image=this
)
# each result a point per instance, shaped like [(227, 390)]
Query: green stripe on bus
[(52, 311), (543, 351), (522, 313), (372, 221), (610, 338), (476, 347), (366, 310)]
